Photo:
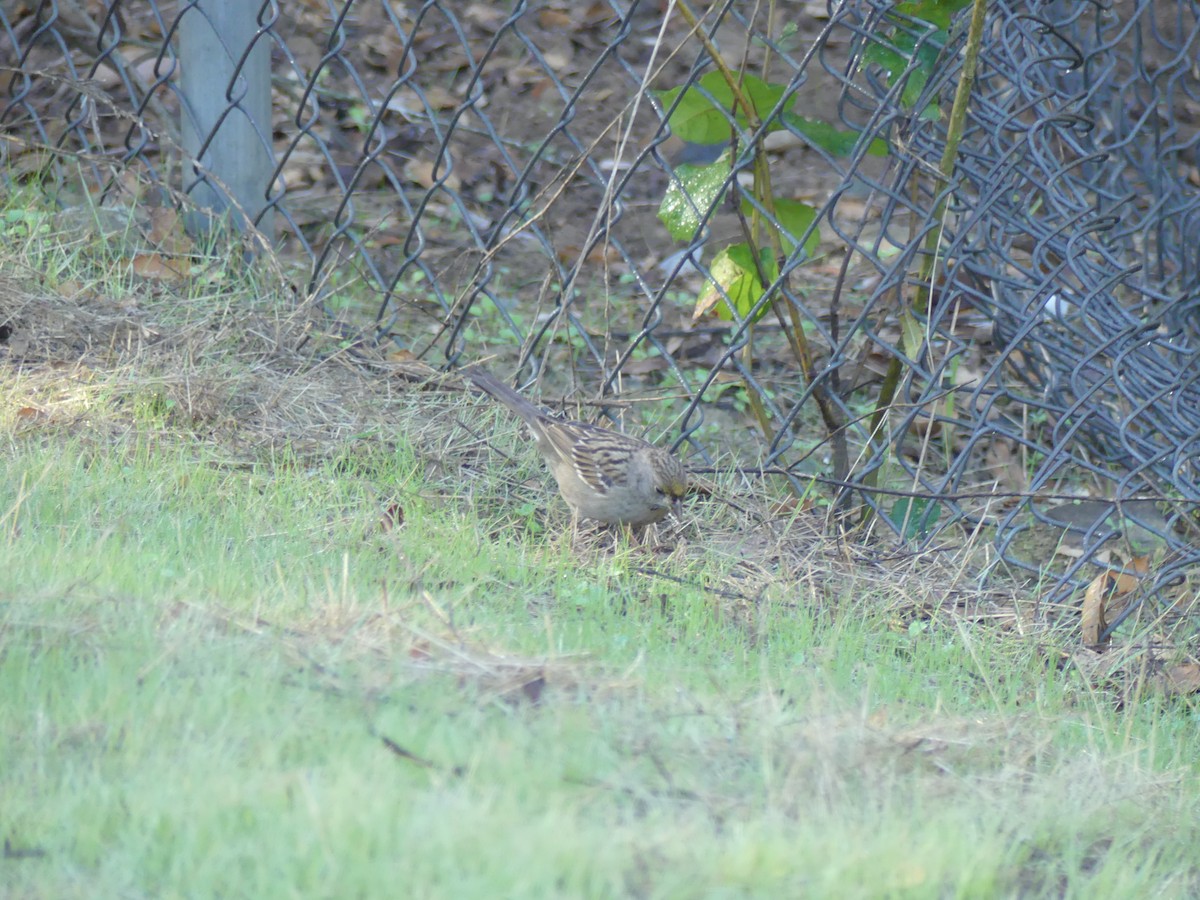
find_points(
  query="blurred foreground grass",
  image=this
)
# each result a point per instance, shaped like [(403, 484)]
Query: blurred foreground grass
[(229, 681), (282, 625)]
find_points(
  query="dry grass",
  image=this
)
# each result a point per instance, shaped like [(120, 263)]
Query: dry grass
[(749, 700), (270, 383)]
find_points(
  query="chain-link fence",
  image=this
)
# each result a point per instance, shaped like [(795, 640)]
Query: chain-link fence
[(754, 220)]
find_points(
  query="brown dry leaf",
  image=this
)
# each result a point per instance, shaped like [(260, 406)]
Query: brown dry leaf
[(488, 16), (701, 486), (559, 59), (789, 506), (30, 414), (406, 102), (1106, 598), (1182, 679), (109, 78), (440, 98), (405, 365), (706, 303), (167, 232), (134, 185), (555, 19), (28, 163), (157, 267), (420, 172), (70, 289), (540, 87), (163, 221), (1003, 462), (645, 366), (393, 516), (601, 253), (523, 77), (1092, 622)]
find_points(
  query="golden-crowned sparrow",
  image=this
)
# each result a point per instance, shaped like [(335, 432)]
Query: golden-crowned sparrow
[(602, 474)]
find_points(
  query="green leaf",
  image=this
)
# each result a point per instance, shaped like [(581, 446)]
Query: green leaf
[(935, 12), (764, 96), (734, 270), (707, 121), (912, 334), (891, 61), (915, 516), (897, 51), (692, 193), (838, 141), (696, 119), (795, 217)]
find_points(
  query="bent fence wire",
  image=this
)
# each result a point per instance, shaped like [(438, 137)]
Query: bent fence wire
[(467, 181)]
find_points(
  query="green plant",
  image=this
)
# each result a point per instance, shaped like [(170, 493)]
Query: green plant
[(736, 108), (728, 107), (921, 65)]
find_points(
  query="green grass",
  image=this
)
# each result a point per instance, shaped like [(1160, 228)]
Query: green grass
[(267, 630), (203, 666)]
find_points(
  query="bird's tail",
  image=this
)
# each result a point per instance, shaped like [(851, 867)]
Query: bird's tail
[(490, 384)]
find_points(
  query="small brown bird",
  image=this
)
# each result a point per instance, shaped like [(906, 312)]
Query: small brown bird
[(602, 474)]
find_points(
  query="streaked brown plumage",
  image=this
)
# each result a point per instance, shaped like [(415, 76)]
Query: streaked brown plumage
[(602, 474)]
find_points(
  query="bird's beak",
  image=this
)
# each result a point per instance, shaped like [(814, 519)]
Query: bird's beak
[(677, 508)]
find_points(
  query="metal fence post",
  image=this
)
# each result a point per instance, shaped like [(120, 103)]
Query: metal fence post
[(226, 114)]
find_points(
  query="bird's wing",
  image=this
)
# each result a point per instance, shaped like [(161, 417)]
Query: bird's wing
[(600, 456)]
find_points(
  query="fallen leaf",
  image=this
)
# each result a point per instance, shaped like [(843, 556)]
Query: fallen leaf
[(392, 516), (559, 59), (440, 98), (167, 233), (1182, 679), (555, 19), (421, 172), (1106, 598), (789, 506), (159, 268), (645, 366)]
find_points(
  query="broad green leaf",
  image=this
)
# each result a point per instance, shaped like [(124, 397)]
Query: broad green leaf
[(891, 61), (733, 269), (764, 96), (703, 121), (915, 515), (696, 119), (935, 12), (690, 197), (838, 141), (912, 335), (795, 217), (897, 50)]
